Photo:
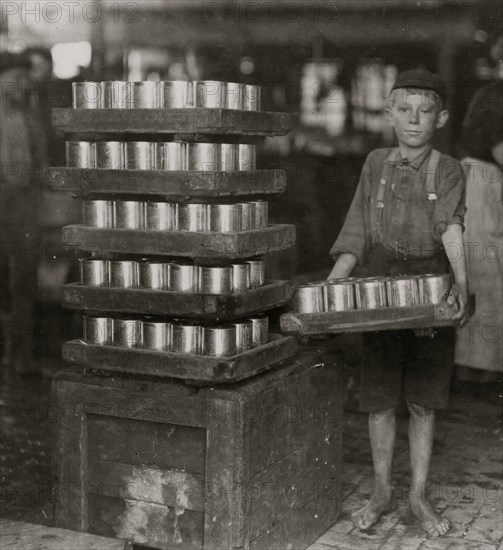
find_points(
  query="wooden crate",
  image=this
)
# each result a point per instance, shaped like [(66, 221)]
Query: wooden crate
[(219, 122), (197, 369), (230, 246), (172, 185), (368, 320), (253, 465), (271, 295)]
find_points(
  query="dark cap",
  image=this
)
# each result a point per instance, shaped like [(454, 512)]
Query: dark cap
[(10, 61), (421, 79)]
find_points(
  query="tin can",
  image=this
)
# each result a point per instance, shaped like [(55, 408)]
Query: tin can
[(171, 155), (176, 94), (183, 277), (97, 213), (194, 217), (220, 341), (241, 276), (260, 330), (309, 299), (261, 213), (244, 336), (247, 215), (115, 94), (80, 154), (86, 95), (247, 159), (154, 275), (204, 157), (110, 154), (124, 274), (338, 296), (434, 288), (139, 155), (98, 330), (162, 216), (402, 291), (215, 280), (229, 153), (156, 335), (130, 215), (188, 339), (95, 273), (210, 94), (257, 272), (251, 97), (234, 96), (370, 293), (127, 333), (144, 95), (225, 218)]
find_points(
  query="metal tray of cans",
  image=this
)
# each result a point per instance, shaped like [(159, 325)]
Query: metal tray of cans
[(170, 121), (199, 369), (176, 185), (368, 320), (204, 246), (178, 304)]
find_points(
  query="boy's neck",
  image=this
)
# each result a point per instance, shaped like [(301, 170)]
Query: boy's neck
[(412, 152)]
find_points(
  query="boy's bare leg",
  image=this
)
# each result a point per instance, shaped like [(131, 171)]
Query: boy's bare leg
[(382, 428), (421, 432)]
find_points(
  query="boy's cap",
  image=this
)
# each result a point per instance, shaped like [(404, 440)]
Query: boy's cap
[(421, 79)]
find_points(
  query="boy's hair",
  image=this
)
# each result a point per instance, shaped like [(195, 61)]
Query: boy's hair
[(430, 94)]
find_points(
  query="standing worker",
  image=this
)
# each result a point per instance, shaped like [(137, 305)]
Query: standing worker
[(407, 212)]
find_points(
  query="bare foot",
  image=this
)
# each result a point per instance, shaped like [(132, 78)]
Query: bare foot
[(431, 522), (381, 502)]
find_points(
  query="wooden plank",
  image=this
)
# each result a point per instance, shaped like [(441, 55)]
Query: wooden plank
[(271, 295), (146, 484), (152, 444), (145, 523), (365, 320), (19, 535), (225, 246), (176, 186), (201, 368), (171, 121)]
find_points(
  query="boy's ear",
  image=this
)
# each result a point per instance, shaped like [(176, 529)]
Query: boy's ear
[(442, 118), (388, 115)]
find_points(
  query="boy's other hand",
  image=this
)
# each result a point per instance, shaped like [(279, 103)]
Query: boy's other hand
[(459, 296)]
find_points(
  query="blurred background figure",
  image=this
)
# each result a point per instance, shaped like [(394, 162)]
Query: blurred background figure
[(480, 343), (22, 158)]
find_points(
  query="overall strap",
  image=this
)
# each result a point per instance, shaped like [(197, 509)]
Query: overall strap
[(381, 192), (430, 184)]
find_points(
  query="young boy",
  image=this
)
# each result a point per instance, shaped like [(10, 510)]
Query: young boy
[(406, 218)]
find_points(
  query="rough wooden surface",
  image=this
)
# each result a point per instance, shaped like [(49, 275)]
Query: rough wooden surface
[(175, 186), (170, 121), (18, 535), (368, 320), (230, 246), (182, 304), (198, 368), (256, 464)]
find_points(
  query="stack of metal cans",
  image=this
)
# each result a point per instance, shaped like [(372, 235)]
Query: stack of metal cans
[(178, 337), (168, 94), (166, 216), (371, 293)]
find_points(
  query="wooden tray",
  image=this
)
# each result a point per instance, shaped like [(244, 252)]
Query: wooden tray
[(196, 368), (170, 121), (230, 246), (368, 320), (175, 186), (178, 304)]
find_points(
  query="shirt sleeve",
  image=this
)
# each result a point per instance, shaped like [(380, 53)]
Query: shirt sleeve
[(354, 237), (450, 208)]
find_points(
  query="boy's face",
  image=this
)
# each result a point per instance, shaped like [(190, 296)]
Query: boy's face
[(415, 116)]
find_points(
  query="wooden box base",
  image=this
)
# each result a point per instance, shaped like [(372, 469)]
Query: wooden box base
[(254, 465)]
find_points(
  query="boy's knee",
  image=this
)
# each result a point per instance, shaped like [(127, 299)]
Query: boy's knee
[(419, 410), (385, 414)]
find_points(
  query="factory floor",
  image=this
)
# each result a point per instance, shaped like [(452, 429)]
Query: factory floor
[(466, 479)]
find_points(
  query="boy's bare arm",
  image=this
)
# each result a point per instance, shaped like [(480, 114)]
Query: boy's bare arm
[(452, 239), (343, 266)]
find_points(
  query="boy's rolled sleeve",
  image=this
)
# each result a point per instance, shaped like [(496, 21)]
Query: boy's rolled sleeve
[(354, 235), (450, 208)]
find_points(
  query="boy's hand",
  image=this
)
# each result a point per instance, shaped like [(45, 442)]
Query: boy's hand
[(459, 296)]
